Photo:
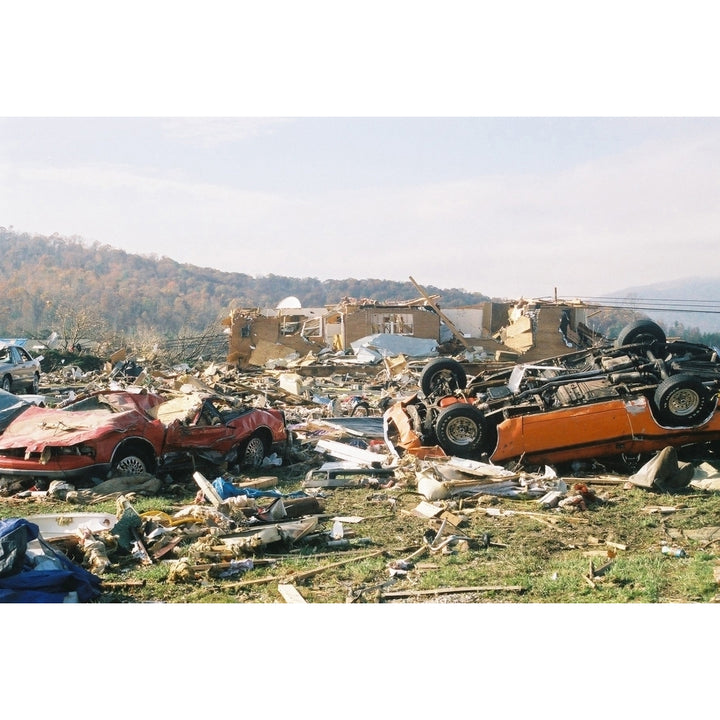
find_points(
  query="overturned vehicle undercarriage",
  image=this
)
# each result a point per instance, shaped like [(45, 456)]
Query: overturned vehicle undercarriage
[(625, 399)]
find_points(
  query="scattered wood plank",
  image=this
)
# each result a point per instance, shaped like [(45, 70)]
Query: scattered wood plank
[(445, 319), (616, 545), (305, 574), (258, 483), (121, 584), (208, 490), (600, 480), (290, 593), (452, 590)]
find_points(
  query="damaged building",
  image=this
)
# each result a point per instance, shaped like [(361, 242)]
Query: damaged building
[(502, 331)]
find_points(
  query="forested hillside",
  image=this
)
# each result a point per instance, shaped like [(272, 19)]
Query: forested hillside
[(47, 279)]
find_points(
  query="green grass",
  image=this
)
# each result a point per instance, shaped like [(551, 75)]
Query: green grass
[(542, 559)]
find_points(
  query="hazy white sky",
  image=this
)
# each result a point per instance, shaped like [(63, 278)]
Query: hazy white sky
[(424, 179)]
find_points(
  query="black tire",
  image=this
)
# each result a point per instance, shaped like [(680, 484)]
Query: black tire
[(682, 401), (34, 386), (7, 384), (361, 410), (461, 430), (132, 461), (442, 376), (253, 452), (641, 331)]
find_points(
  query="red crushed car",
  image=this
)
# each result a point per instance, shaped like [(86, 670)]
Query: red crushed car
[(622, 400), (118, 432)]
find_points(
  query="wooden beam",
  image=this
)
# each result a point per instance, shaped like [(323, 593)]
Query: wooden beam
[(290, 593), (442, 315), (450, 591)]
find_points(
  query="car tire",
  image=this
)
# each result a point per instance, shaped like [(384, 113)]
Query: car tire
[(461, 430), (641, 331), (7, 383), (442, 376), (131, 462), (34, 386), (682, 401), (253, 452)]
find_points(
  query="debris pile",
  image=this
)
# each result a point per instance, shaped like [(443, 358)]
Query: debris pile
[(241, 522)]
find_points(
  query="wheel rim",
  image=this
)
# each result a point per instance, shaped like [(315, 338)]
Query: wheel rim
[(683, 402), (254, 452), (131, 465), (461, 431)]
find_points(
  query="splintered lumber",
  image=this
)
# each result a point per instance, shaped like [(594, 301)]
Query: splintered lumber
[(208, 490), (442, 315), (599, 480), (304, 575), (121, 584), (269, 481), (451, 590), (290, 593)]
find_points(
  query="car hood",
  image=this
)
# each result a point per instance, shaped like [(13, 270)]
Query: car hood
[(39, 427)]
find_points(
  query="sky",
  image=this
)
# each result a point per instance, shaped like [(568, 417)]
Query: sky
[(508, 207), (580, 192)]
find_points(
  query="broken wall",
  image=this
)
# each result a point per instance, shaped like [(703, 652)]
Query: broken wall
[(256, 338), (361, 322), (468, 321), (533, 330)]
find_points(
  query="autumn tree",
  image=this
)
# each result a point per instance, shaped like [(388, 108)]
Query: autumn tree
[(75, 324)]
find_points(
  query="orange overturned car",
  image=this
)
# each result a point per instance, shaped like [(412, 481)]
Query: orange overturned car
[(622, 400)]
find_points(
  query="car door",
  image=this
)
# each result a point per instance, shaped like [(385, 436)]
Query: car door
[(24, 367), (205, 432)]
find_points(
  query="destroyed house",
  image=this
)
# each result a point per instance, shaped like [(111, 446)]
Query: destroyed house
[(528, 329), (259, 335)]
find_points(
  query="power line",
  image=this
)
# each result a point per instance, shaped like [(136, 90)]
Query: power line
[(710, 307)]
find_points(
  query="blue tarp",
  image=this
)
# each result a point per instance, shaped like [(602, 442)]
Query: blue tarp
[(23, 581), (226, 489)]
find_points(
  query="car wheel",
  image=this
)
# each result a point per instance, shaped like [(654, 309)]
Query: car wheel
[(361, 410), (461, 430), (442, 376), (7, 384), (130, 463), (253, 452), (682, 400), (34, 386), (641, 331)]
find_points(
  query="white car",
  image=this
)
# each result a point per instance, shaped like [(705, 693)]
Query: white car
[(19, 371)]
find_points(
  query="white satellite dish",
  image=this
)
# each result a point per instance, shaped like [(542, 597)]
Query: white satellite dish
[(290, 302)]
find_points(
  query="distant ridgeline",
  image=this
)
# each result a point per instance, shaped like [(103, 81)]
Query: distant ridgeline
[(47, 277)]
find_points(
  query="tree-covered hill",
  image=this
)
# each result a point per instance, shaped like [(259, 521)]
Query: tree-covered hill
[(47, 278)]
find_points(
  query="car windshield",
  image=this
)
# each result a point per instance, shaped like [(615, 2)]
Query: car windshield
[(110, 402)]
